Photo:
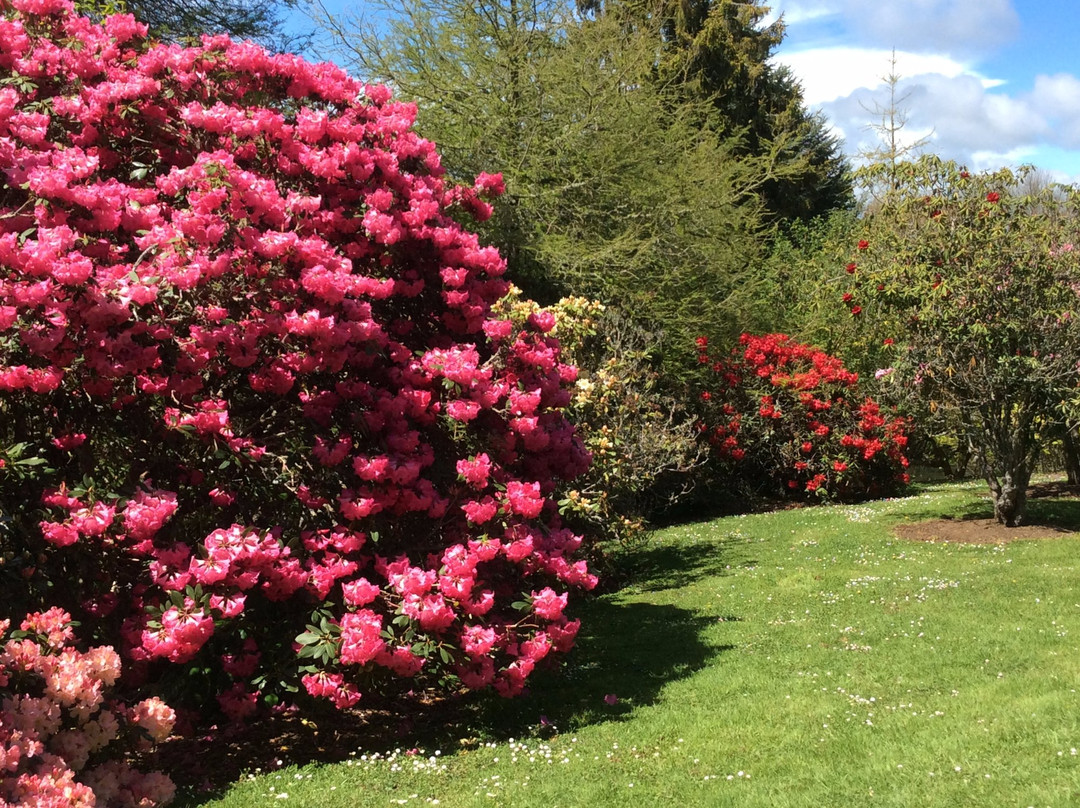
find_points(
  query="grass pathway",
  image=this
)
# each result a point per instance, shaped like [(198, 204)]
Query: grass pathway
[(799, 658)]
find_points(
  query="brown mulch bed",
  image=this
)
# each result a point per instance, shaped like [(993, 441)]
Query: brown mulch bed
[(990, 531)]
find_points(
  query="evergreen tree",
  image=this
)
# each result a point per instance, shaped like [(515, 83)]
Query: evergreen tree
[(614, 189), (719, 50)]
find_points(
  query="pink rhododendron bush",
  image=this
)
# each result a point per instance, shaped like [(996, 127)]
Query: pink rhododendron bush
[(792, 418), (261, 431)]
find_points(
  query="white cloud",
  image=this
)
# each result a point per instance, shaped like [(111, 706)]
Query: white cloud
[(840, 52), (966, 120), (955, 27), (797, 13), (830, 73), (933, 26)]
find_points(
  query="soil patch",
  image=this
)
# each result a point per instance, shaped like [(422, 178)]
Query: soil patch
[(990, 531)]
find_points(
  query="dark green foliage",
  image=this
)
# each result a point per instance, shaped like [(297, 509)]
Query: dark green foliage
[(177, 20), (719, 51), (615, 188)]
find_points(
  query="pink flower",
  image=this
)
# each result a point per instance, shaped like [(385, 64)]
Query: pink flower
[(147, 511), (60, 534), (95, 520), (238, 702), (360, 640), (154, 716), (524, 498), (475, 470), (480, 512), (490, 184), (549, 605), (69, 441), (222, 497), (478, 640), (401, 660), (359, 592), (542, 320)]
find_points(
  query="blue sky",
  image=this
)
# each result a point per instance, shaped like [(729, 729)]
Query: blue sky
[(990, 82)]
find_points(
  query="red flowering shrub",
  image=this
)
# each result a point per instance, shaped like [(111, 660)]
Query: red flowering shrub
[(792, 415), (258, 393)]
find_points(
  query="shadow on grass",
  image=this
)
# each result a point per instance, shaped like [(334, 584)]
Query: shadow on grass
[(626, 654), (631, 650), (1063, 514), (661, 566), (1049, 504)]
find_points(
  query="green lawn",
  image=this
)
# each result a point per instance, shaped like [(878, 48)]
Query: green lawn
[(798, 658)]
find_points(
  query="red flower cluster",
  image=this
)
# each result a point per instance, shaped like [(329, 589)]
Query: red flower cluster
[(792, 412)]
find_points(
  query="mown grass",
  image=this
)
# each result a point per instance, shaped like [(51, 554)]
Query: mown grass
[(798, 658)]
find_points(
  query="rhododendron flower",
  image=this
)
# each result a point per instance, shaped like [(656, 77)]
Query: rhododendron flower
[(542, 320), (478, 640), (95, 520), (401, 660), (69, 441), (154, 716), (359, 592), (490, 184), (221, 497), (147, 511), (475, 470), (360, 640), (480, 512), (524, 498), (60, 534), (549, 605), (238, 702), (54, 625)]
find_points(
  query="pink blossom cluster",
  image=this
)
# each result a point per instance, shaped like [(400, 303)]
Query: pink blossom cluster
[(56, 716), (260, 355)]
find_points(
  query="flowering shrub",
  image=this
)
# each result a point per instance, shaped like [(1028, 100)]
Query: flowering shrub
[(973, 277), (279, 439), (56, 720), (791, 414), (643, 443)]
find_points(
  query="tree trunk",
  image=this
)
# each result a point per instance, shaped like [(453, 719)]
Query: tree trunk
[(1010, 495), (1069, 443), (962, 457)]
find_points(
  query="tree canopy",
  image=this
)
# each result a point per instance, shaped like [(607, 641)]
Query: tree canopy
[(617, 187), (719, 51), (973, 277)]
